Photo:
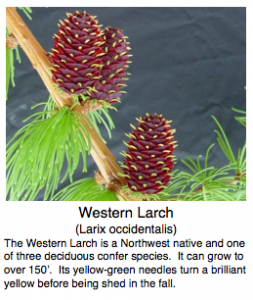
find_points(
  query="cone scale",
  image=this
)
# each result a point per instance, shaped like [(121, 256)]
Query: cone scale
[(88, 60), (149, 156)]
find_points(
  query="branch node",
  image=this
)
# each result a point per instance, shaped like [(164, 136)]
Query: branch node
[(99, 178), (88, 106), (113, 185), (11, 41)]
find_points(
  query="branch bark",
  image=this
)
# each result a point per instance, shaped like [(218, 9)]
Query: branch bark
[(39, 58)]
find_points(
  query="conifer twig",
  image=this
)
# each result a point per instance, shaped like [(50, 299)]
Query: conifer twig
[(40, 61)]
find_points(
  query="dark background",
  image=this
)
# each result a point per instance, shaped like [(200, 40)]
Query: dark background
[(188, 64)]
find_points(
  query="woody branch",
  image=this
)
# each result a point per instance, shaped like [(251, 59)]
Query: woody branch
[(38, 57)]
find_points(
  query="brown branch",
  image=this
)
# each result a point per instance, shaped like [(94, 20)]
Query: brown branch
[(104, 159)]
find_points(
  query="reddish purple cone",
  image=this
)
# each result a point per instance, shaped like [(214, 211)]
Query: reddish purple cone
[(89, 61), (149, 157)]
